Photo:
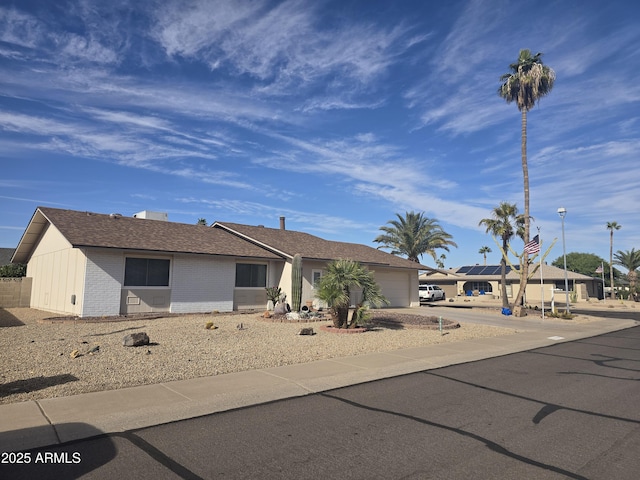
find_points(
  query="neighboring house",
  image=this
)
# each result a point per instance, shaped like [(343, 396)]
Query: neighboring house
[(90, 264), (5, 256), (481, 279)]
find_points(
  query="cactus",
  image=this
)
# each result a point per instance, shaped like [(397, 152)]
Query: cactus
[(296, 282)]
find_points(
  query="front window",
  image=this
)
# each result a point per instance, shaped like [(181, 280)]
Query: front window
[(146, 272), (316, 276), (251, 275), (482, 287)]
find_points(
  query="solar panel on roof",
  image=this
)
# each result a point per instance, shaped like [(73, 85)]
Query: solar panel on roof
[(483, 270)]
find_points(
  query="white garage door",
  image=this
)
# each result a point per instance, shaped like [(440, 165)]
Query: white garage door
[(395, 286)]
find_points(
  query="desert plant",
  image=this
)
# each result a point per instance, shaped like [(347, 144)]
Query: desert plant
[(630, 260), (274, 294), (296, 282), (611, 226), (505, 223), (413, 235), (564, 315), (335, 286), (527, 81)]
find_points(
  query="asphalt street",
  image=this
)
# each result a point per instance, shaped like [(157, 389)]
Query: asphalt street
[(564, 411)]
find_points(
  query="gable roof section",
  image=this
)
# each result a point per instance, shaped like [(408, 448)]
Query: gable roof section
[(86, 229), (289, 242)]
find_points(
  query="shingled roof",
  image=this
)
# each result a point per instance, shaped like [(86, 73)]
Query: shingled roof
[(5, 256), (87, 229), (114, 231), (290, 242)]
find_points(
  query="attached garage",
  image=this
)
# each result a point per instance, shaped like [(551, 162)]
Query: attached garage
[(397, 286)]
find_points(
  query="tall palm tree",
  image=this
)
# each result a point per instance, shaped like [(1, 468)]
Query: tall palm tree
[(483, 251), (526, 83), (414, 235), (505, 223), (201, 221), (611, 226), (631, 261)]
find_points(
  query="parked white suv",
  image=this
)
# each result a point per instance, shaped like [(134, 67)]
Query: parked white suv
[(429, 293)]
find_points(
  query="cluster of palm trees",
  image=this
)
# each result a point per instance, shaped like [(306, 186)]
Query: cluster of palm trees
[(411, 235), (414, 234)]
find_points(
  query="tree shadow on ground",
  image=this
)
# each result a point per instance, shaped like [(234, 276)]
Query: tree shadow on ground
[(35, 383), (9, 320)]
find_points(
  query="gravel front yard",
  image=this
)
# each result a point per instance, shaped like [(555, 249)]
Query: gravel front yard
[(37, 363)]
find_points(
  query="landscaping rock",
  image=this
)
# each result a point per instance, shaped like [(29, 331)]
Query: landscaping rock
[(281, 309), (306, 331), (135, 339)]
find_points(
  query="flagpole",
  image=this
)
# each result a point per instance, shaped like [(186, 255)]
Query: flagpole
[(604, 297), (541, 280)]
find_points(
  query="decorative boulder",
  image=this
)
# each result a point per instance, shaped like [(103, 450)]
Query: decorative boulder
[(135, 339), (306, 331), (281, 309)]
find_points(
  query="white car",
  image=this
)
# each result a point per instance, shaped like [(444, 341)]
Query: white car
[(429, 293)]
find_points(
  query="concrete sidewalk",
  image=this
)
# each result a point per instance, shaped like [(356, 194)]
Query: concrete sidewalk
[(58, 420)]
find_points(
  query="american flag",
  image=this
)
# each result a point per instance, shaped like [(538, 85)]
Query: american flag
[(599, 269), (533, 246)]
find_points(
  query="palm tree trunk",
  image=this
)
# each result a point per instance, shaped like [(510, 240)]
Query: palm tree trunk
[(524, 263), (339, 316), (633, 278), (613, 293), (503, 274)]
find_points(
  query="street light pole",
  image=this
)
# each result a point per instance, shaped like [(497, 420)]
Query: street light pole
[(562, 212)]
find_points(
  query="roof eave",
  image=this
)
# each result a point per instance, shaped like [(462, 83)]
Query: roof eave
[(251, 240), (30, 237)]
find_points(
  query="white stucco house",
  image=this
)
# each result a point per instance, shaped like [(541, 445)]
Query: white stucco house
[(89, 264)]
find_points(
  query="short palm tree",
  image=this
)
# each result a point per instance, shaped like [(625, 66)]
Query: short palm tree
[(414, 235), (630, 260), (525, 84), (505, 223), (335, 287), (611, 226), (483, 251), (202, 221)]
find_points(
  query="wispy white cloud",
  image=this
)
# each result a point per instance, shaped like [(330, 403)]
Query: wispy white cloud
[(308, 221), (281, 45)]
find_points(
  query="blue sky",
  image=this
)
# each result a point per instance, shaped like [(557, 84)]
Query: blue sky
[(334, 114)]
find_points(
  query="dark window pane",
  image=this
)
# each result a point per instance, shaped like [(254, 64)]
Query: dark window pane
[(259, 278), (243, 275), (158, 273), (135, 272), (248, 275)]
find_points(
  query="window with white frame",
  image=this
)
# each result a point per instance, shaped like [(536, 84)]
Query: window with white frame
[(316, 275)]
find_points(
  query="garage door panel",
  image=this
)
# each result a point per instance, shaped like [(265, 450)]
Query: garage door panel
[(395, 287)]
